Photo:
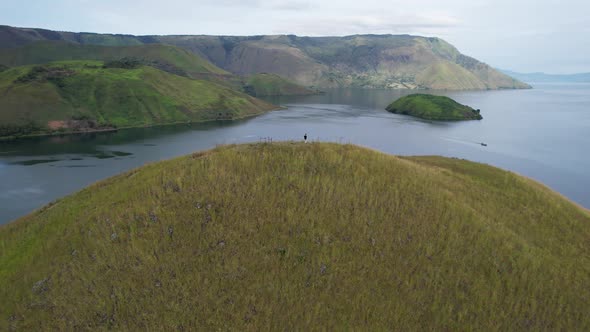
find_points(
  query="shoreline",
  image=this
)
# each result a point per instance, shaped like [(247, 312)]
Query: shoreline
[(532, 182), (4, 139)]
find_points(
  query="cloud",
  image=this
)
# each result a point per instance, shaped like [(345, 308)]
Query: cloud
[(289, 5), (527, 35), (363, 24)]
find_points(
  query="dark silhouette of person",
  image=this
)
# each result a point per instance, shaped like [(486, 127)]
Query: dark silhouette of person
[(305, 138)]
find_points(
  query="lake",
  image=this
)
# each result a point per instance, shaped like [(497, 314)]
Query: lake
[(543, 133)]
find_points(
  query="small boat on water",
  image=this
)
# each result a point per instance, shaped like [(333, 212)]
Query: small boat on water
[(483, 144)]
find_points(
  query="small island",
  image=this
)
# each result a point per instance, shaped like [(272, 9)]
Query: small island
[(431, 107)]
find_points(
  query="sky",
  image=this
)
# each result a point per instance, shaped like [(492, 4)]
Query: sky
[(551, 36)]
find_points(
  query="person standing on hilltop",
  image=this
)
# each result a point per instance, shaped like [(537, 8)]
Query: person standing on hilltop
[(305, 138)]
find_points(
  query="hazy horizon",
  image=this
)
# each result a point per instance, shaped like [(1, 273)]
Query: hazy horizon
[(528, 36)]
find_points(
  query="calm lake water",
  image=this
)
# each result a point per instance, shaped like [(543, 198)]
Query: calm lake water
[(542, 133)]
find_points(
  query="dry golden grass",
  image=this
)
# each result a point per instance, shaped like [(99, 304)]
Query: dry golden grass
[(290, 236)]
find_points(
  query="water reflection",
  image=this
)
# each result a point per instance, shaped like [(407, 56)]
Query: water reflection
[(541, 133)]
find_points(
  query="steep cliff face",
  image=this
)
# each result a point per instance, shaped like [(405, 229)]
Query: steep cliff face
[(363, 61), (372, 61)]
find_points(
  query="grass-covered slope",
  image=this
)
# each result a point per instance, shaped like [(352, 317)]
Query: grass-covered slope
[(432, 107), (264, 84), (168, 58), (370, 61), (296, 236), (84, 95), (165, 57)]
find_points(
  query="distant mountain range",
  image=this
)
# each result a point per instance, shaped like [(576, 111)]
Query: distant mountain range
[(369, 61), (547, 78)]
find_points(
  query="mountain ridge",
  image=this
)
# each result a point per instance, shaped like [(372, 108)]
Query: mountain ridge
[(369, 61), (541, 77), (165, 57)]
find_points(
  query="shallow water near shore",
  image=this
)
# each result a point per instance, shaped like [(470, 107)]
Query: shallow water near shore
[(543, 133)]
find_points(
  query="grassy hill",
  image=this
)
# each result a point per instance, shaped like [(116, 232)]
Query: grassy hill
[(168, 58), (370, 61), (432, 107), (273, 85), (294, 236), (164, 57), (76, 96)]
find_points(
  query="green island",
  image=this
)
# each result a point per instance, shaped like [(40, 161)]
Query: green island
[(432, 107), (292, 236), (86, 95)]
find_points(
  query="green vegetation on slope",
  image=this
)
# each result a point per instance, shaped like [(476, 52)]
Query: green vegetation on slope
[(85, 95), (296, 236), (370, 61), (168, 58), (432, 107), (164, 57), (273, 85), (447, 75)]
